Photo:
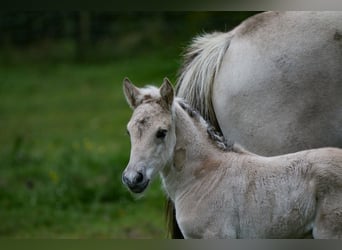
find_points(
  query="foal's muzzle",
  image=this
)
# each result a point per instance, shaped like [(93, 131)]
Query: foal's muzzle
[(135, 181)]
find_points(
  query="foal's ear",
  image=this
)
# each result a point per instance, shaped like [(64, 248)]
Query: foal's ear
[(167, 93), (131, 93)]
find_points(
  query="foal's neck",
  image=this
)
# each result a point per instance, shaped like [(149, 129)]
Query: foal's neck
[(191, 135), (193, 150)]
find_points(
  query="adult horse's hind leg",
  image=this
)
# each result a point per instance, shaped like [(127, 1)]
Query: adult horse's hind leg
[(328, 221)]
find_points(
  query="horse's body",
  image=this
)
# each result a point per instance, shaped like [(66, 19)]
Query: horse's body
[(274, 83), (224, 191)]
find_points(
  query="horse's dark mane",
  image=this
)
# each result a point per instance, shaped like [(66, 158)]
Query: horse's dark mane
[(217, 137)]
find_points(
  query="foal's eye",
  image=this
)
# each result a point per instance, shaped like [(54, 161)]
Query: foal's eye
[(161, 133)]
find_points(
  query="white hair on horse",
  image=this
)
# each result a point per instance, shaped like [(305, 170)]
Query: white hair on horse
[(228, 192), (270, 73), (272, 83), (202, 62)]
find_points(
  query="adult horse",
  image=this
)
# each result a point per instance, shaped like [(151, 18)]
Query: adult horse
[(273, 84)]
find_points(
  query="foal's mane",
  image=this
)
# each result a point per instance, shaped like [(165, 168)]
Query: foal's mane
[(219, 140)]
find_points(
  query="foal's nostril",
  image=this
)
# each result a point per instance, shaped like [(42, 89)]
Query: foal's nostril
[(139, 178), (135, 181), (125, 180)]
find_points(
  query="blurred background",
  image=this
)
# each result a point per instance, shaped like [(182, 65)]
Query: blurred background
[(63, 142)]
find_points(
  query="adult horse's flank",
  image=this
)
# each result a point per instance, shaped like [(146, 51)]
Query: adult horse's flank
[(221, 190), (273, 84)]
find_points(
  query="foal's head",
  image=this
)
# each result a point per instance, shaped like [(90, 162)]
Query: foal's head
[(152, 133)]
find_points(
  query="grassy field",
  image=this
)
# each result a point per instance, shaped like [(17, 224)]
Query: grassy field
[(63, 147)]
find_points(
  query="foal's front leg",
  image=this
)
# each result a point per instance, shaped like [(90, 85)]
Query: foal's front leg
[(328, 222)]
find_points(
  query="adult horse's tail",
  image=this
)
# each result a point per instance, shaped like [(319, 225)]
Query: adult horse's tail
[(202, 62)]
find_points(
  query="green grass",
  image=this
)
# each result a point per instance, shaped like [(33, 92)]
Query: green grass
[(63, 147)]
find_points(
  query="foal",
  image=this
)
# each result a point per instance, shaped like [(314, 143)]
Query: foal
[(221, 190)]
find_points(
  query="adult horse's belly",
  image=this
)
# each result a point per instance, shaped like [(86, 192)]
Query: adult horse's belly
[(279, 88)]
